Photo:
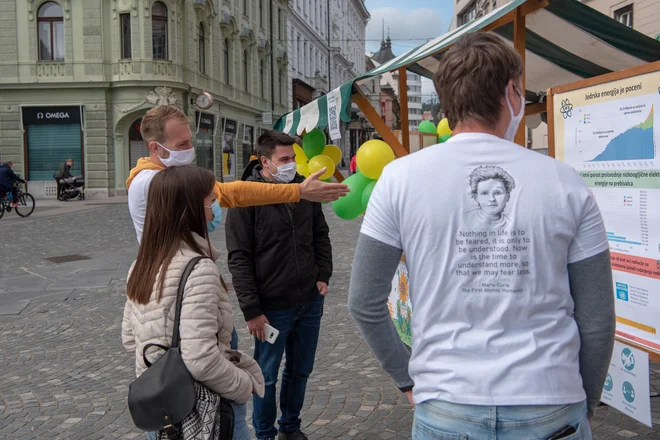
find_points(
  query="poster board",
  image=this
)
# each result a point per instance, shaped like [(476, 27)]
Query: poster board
[(608, 129), (229, 134)]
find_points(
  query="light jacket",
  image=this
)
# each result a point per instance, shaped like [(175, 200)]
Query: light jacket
[(234, 194), (205, 329)]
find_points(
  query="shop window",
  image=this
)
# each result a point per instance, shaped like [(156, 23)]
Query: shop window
[(225, 54), (624, 15), (202, 49), (125, 35), (159, 31), (50, 25)]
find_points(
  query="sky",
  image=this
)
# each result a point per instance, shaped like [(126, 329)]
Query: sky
[(411, 23)]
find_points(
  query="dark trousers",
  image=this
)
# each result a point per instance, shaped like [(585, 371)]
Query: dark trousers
[(299, 334), (10, 189)]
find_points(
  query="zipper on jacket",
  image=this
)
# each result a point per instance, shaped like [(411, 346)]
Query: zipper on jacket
[(295, 251)]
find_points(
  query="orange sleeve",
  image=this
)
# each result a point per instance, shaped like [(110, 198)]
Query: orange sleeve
[(241, 194)]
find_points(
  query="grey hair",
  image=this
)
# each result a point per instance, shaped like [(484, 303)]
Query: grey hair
[(491, 172)]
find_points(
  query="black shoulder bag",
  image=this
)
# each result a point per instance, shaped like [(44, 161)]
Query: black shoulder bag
[(166, 398)]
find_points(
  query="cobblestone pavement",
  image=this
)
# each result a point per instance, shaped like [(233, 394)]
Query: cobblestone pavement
[(65, 375)]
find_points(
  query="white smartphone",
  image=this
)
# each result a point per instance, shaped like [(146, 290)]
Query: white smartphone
[(271, 333)]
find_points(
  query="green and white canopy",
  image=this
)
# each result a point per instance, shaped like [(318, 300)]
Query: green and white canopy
[(565, 42)]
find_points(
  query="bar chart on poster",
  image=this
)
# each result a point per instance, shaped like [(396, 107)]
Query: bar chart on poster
[(609, 133)]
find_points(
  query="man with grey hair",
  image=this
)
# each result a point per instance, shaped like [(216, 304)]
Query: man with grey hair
[(511, 290)]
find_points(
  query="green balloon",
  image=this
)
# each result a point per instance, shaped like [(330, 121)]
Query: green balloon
[(444, 138), (366, 194), (329, 180), (314, 143), (427, 127), (350, 206)]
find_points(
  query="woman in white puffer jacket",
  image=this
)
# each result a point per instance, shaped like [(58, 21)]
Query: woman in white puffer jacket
[(181, 202)]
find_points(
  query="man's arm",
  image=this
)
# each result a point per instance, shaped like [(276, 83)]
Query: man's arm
[(14, 177), (593, 293), (242, 194), (322, 245), (374, 267), (239, 233)]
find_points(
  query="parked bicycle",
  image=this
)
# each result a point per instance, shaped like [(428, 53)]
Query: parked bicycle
[(25, 202)]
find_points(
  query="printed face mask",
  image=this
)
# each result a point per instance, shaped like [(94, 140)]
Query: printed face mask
[(515, 119), (178, 158), (217, 216), (285, 173)]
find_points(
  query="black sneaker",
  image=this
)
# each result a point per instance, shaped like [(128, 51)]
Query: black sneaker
[(295, 435)]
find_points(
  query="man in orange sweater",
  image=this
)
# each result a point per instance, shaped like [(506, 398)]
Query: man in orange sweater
[(166, 132)]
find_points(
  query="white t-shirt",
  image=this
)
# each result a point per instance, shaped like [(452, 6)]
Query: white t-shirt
[(137, 199), (488, 229)]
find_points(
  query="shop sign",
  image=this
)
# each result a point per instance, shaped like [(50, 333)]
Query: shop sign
[(205, 120), (69, 114)]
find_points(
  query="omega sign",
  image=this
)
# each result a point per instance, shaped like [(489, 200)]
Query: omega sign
[(205, 120), (52, 115)]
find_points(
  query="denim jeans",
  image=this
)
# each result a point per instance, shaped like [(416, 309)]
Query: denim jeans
[(241, 428), (436, 420), (299, 335)]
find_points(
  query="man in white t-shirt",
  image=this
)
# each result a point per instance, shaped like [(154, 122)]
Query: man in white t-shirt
[(509, 269)]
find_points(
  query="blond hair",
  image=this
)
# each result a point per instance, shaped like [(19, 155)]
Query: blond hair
[(153, 123)]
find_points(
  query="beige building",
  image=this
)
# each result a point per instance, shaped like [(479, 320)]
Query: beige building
[(76, 76)]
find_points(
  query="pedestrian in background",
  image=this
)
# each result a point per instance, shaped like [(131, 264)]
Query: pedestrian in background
[(509, 268), (280, 258), (168, 244)]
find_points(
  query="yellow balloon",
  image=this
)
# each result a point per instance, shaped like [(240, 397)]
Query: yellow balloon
[(303, 169), (333, 152), (301, 157), (322, 161), (443, 128), (372, 157)]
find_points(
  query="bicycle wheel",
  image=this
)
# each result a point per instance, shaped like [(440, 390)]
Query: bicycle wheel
[(25, 205), (2, 209)]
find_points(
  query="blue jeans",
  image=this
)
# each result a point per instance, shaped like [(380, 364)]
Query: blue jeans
[(436, 420), (299, 335), (241, 429)]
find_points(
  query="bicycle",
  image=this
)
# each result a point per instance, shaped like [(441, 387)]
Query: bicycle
[(25, 203)]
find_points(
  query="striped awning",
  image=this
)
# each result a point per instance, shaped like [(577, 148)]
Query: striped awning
[(565, 42)]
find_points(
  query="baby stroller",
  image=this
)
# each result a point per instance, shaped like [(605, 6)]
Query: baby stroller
[(69, 188)]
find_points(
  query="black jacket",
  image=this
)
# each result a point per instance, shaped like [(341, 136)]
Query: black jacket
[(8, 177), (64, 172), (277, 253)]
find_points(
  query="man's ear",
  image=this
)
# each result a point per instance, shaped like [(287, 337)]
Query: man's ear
[(153, 146)]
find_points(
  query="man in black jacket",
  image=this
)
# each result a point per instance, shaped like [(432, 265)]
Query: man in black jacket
[(7, 179), (280, 258)]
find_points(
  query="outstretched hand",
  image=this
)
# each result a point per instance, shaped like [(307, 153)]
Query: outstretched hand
[(314, 190)]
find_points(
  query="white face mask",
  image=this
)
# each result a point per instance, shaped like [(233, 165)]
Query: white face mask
[(285, 173), (177, 158), (515, 119)]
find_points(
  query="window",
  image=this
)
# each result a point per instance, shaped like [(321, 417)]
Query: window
[(282, 87), (159, 30), (50, 25), (125, 35), (279, 23), (245, 71), (261, 14), (468, 14), (245, 7), (625, 15), (202, 49), (261, 79), (225, 54)]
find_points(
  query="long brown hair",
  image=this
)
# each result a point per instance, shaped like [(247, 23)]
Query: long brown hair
[(175, 210)]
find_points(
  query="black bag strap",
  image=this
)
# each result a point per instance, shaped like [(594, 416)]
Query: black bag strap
[(176, 337)]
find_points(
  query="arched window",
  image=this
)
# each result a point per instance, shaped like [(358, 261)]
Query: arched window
[(202, 49), (50, 25), (225, 54), (245, 71), (159, 30), (261, 78)]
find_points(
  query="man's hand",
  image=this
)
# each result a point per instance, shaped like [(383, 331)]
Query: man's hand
[(314, 190), (323, 287), (256, 327), (410, 398)]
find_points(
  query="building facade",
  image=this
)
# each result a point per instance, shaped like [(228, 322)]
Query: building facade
[(77, 76)]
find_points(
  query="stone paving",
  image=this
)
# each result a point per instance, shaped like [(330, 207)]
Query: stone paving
[(64, 373)]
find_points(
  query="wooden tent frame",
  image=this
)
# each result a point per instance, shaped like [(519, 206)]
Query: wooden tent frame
[(402, 148)]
